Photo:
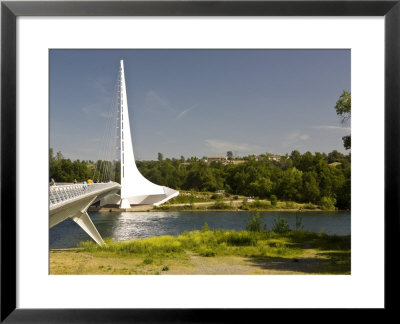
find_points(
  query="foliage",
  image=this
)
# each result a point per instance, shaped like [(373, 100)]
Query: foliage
[(327, 203), (219, 204), (343, 106), (258, 204), (262, 245), (343, 109), (274, 200), (299, 222), (347, 142), (322, 253), (254, 224), (280, 225), (205, 228), (302, 178)]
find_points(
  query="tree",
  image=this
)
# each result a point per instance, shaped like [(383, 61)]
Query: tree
[(160, 156), (310, 191), (343, 109), (229, 155)]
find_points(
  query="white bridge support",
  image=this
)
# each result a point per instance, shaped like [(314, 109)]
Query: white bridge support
[(83, 220), (73, 200)]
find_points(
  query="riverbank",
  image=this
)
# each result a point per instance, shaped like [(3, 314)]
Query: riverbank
[(224, 205), (208, 201), (210, 252)]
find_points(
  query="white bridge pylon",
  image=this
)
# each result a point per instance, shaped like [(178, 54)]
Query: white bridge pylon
[(73, 200), (135, 188)]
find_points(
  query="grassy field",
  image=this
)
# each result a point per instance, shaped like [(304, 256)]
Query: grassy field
[(210, 252)]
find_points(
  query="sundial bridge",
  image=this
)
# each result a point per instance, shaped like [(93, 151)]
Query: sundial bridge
[(73, 200)]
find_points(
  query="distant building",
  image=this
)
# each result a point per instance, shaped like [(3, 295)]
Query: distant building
[(276, 158), (236, 161), (218, 158)]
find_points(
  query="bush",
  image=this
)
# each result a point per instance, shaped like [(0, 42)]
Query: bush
[(299, 222), (327, 203), (289, 204), (258, 204), (233, 238), (244, 205), (309, 206), (280, 225), (254, 224), (205, 228), (207, 252), (219, 204), (148, 260), (274, 200)]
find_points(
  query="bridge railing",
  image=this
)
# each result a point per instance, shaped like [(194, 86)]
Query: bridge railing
[(61, 193)]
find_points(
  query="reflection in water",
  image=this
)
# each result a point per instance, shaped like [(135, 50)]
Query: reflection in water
[(124, 226)]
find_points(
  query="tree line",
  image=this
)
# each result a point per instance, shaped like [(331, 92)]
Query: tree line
[(296, 177), (62, 169)]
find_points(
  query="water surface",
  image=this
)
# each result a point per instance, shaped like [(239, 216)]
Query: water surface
[(124, 226)]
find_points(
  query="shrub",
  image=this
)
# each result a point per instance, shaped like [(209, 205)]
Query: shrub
[(258, 204), (219, 204), (274, 200), (254, 224), (299, 222), (280, 225), (233, 238), (244, 205), (309, 206), (205, 228), (148, 260), (205, 252), (327, 203), (289, 204)]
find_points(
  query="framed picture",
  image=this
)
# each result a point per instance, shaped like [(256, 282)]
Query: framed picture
[(192, 25)]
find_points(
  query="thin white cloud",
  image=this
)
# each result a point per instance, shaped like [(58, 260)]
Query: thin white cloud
[(183, 113), (100, 85), (97, 109), (105, 114), (156, 103), (331, 127), (223, 146), (294, 139)]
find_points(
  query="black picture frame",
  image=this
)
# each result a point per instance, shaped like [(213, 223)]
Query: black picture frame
[(10, 10)]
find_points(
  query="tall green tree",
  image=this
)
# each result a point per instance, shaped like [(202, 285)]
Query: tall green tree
[(343, 110)]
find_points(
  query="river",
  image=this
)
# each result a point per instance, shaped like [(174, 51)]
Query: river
[(124, 226)]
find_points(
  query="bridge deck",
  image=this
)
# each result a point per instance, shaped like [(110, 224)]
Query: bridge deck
[(65, 194)]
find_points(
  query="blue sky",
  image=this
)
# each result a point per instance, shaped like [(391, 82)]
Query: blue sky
[(200, 102)]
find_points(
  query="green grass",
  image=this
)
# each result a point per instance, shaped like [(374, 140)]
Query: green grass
[(211, 252), (212, 243)]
